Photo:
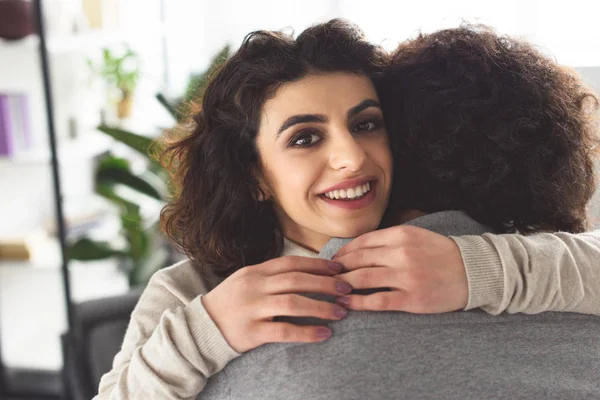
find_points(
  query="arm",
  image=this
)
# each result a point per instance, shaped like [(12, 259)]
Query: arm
[(177, 339), (171, 346), (532, 274)]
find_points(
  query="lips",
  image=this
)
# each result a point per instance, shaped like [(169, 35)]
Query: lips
[(354, 203), (350, 183), (350, 193)]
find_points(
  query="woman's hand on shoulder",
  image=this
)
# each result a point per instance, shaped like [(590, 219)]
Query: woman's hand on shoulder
[(245, 304), (423, 269)]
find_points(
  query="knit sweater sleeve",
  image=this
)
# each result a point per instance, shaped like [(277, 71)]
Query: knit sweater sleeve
[(171, 346), (532, 274)]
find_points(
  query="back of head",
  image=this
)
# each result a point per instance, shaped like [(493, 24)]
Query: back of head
[(216, 217), (486, 124)]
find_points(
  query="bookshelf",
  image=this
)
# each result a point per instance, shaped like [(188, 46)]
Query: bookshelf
[(46, 281)]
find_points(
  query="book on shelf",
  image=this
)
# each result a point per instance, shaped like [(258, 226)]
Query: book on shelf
[(22, 246), (14, 249), (15, 131)]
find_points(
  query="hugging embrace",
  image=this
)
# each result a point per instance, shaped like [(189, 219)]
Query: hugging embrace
[(361, 224)]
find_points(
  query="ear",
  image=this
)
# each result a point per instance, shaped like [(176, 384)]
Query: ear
[(262, 191), (262, 196)]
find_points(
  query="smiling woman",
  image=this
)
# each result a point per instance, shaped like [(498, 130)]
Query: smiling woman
[(283, 119), (311, 148), (287, 150)]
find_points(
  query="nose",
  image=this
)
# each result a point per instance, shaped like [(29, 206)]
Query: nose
[(346, 152)]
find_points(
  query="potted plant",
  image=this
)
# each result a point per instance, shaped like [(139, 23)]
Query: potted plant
[(122, 71), (145, 249)]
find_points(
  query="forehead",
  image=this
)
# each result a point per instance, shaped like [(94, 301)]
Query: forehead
[(318, 94)]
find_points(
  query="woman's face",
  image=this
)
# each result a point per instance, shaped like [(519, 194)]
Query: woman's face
[(325, 157)]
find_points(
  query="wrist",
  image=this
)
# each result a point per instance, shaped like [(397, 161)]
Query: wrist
[(483, 268)]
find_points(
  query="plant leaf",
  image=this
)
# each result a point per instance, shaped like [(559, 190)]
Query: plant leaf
[(137, 142), (107, 191), (86, 249), (136, 236), (114, 170), (168, 106)]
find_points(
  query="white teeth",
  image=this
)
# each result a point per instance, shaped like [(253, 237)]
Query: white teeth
[(350, 193)]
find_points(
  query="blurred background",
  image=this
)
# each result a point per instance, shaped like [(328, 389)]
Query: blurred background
[(109, 75)]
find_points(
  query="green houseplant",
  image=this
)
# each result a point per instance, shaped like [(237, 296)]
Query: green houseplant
[(141, 246), (123, 72)]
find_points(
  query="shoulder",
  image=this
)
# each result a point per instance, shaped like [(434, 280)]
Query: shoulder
[(174, 286), (184, 279)]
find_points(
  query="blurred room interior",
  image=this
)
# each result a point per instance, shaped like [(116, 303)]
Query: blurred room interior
[(117, 71)]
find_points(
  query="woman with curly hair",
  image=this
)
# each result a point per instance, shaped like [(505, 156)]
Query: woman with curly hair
[(284, 123), (288, 151)]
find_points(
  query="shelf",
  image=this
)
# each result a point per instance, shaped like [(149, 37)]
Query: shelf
[(88, 145), (93, 217)]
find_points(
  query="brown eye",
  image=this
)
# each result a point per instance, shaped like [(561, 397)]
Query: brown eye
[(306, 139), (368, 125)]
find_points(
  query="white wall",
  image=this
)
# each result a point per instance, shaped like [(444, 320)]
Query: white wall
[(198, 29), (592, 77)]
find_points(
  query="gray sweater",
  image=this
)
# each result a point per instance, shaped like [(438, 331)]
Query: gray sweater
[(395, 355)]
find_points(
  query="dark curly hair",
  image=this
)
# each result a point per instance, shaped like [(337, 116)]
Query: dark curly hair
[(487, 124), (215, 217)]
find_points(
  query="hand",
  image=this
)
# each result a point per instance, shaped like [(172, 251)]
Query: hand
[(423, 269), (243, 305)]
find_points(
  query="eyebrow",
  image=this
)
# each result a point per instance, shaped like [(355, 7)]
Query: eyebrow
[(320, 118), (368, 103), (301, 119)]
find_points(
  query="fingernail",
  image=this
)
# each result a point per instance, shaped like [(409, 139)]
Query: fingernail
[(323, 333), (345, 301), (343, 287), (334, 256), (337, 267), (339, 312)]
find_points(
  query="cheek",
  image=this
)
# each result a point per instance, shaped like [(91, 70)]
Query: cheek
[(380, 153), (294, 179)]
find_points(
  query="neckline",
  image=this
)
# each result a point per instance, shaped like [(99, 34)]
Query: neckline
[(291, 248)]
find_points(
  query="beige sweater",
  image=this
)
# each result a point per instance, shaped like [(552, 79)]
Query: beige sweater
[(172, 346)]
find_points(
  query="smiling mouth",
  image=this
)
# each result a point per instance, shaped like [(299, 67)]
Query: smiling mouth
[(349, 194)]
